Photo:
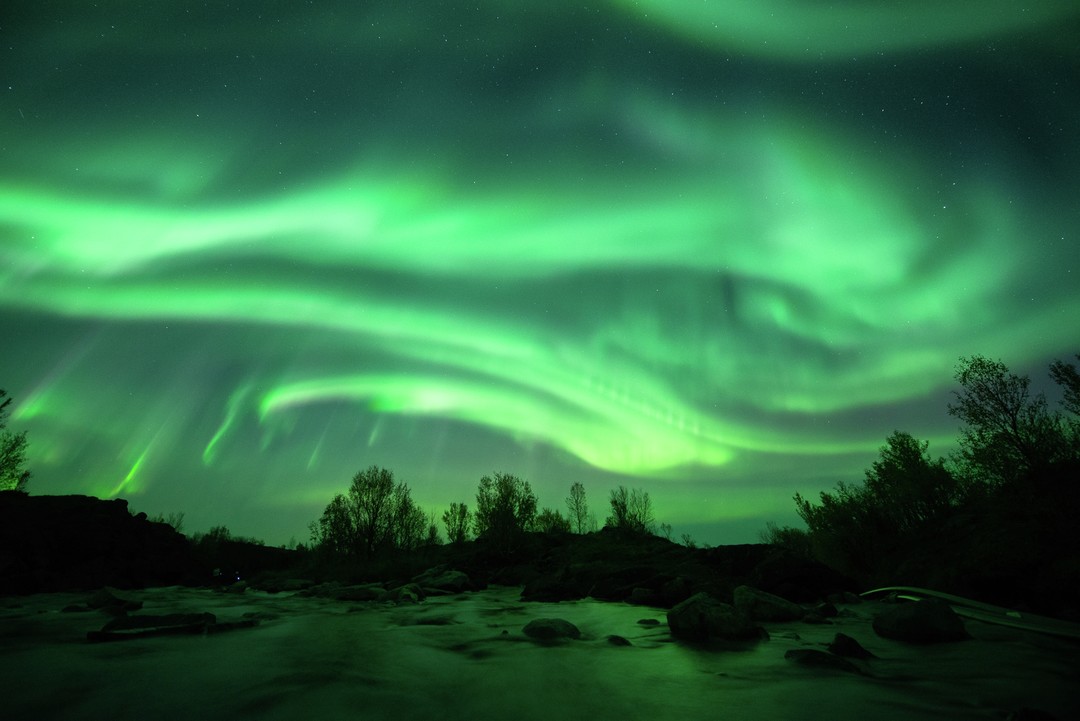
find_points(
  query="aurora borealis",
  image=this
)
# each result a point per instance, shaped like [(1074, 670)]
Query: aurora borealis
[(716, 250)]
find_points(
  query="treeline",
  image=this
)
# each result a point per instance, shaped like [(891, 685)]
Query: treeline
[(377, 516), (1001, 509)]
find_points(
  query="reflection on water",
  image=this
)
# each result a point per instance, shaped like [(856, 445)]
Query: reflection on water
[(465, 657)]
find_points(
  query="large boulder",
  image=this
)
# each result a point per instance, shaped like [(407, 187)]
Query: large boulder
[(551, 629), (925, 621), (762, 606), (702, 617), (440, 580)]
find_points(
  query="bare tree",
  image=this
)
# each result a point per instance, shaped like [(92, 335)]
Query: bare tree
[(631, 510), (578, 509)]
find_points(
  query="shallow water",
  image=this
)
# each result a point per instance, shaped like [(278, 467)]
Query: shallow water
[(465, 657)]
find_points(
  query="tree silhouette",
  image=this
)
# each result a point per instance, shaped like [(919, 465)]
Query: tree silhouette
[(505, 509), (13, 476), (457, 520), (375, 516), (578, 509), (549, 521), (1008, 433), (631, 510)]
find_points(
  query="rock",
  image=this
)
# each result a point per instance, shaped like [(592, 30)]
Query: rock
[(825, 610), (128, 627), (106, 600), (368, 592), (844, 645), (816, 618), (819, 659), (443, 580), (278, 585), (550, 629), (648, 622), (409, 593), (795, 577), (925, 621), (762, 606), (616, 640), (702, 617), (643, 597), (554, 587)]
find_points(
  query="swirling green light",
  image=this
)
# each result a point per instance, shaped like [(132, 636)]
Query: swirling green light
[(810, 31)]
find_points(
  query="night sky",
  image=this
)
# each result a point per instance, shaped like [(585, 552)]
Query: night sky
[(716, 250)]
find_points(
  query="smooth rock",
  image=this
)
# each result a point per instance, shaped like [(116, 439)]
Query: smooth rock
[(762, 606), (844, 645), (550, 629), (702, 617), (925, 621), (443, 579)]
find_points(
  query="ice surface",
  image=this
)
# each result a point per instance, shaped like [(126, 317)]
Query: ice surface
[(465, 657)]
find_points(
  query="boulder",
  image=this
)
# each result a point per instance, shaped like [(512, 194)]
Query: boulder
[(702, 617), (924, 621), (442, 580), (409, 593), (844, 645), (550, 629), (762, 606), (106, 600), (555, 587)]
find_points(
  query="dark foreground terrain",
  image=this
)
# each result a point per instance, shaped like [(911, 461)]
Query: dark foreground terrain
[(469, 656)]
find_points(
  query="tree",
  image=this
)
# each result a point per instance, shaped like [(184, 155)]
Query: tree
[(13, 476), (375, 516), (549, 521), (904, 492), (505, 509), (793, 539), (1008, 434), (336, 530), (578, 509), (457, 520), (906, 481), (371, 501), (408, 525), (433, 538), (1066, 376), (631, 510)]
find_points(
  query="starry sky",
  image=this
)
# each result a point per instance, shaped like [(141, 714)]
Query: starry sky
[(718, 250)]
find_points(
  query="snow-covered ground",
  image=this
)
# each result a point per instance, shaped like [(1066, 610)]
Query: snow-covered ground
[(465, 657)]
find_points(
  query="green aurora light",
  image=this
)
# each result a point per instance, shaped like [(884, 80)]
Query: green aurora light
[(717, 250)]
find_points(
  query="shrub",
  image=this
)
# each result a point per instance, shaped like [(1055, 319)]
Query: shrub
[(550, 521)]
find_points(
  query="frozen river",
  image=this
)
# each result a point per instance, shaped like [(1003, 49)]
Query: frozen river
[(465, 657)]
